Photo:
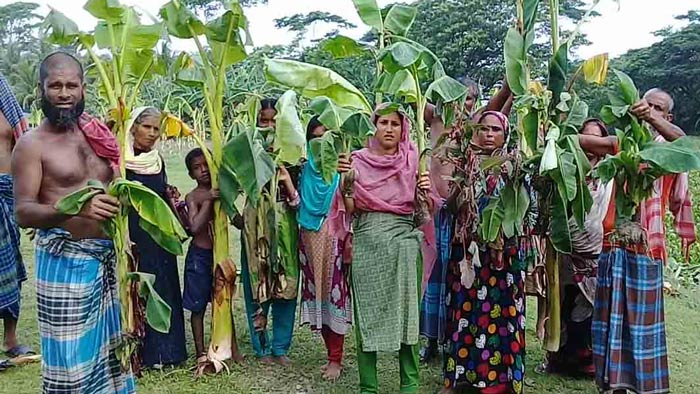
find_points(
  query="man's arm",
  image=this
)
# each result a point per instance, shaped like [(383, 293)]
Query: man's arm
[(27, 174), (500, 99), (666, 129), (599, 146), (200, 215)]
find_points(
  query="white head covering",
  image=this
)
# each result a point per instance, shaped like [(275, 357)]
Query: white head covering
[(146, 163)]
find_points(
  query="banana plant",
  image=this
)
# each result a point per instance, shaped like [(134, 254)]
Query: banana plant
[(548, 120), (341, 108), (395, 24), (155, 217), (640, 160), (226, 37)]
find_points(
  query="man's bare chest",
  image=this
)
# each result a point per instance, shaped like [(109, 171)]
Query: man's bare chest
[(72, 161)]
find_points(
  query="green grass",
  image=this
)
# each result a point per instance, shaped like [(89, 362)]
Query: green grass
[(308, 352)]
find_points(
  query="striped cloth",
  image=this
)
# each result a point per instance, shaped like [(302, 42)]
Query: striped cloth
[(433, 308), (11, 109), (12, 271), (78, 310), (629, 335), (385, 277)]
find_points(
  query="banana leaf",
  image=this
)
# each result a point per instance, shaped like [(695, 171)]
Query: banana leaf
[(314, 81), (290, 136), (157, 310)]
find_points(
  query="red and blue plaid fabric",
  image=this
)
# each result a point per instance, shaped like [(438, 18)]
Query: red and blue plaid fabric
[(629, 334)]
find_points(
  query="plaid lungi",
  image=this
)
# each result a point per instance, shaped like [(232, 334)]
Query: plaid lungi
[(629, 335), (12, 271), (433, 308), (78, 308)]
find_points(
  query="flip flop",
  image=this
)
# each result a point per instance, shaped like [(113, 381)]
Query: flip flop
[(5, 365), (20, 350)]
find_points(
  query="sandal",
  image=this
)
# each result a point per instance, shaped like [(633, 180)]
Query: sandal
[(5, 365), (20, 350)]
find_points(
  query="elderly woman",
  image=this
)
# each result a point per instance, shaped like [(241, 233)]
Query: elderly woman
[(386, 258), (485, 333), (144, 164)]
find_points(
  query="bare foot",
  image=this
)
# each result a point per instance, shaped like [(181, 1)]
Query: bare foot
[(324, 367), (267, 360), (237, 358), (283, 361), (333, 372)]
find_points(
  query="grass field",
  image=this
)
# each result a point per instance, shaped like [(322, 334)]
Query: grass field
[(308, 353)]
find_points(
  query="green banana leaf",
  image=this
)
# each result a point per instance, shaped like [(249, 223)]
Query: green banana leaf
[(399, 19), (530, 14), (158, 311), (332, 116), (341, 47), (229, 189), (110, 10), (559, 233), (401, 84), (245, 155), (223, 35), (314, 81), (370, 13), (73, 203), (445, 89), (558, 72), (491, 220), (515, 199), (180, 21), (399, 56), (290, 135), (61, 29), (155, 215), (681, 155), (325, 156), (515, 53)]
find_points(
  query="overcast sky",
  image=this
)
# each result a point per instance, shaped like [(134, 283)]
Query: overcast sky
[(614, 32)]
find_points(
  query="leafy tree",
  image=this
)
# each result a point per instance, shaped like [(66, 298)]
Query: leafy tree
[(468, 35), (300, 23), (210, 8)]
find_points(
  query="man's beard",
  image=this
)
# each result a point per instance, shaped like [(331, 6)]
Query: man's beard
[(62, 118)]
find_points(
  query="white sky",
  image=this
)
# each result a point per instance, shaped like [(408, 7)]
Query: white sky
[(614, 32)]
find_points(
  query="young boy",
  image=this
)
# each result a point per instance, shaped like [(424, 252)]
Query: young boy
[(200, 256)]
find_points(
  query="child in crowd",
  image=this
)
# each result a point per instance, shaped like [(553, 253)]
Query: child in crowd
[(200, 256)]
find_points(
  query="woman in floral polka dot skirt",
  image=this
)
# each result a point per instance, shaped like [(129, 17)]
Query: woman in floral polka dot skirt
[(485, 332)]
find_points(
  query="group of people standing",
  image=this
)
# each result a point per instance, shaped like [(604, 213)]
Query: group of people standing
[(354, 247)]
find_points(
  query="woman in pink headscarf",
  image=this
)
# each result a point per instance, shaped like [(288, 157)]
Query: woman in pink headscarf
[(380, 194), (485, 330)]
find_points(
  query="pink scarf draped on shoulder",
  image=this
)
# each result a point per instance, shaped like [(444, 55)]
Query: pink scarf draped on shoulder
[(387, 183), (101, 139)]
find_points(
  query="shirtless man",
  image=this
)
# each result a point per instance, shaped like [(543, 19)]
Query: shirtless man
[(12, 270), (78, 304)]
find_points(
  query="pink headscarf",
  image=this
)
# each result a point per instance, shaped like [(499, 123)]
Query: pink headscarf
[(386, 183), (498, 115)]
